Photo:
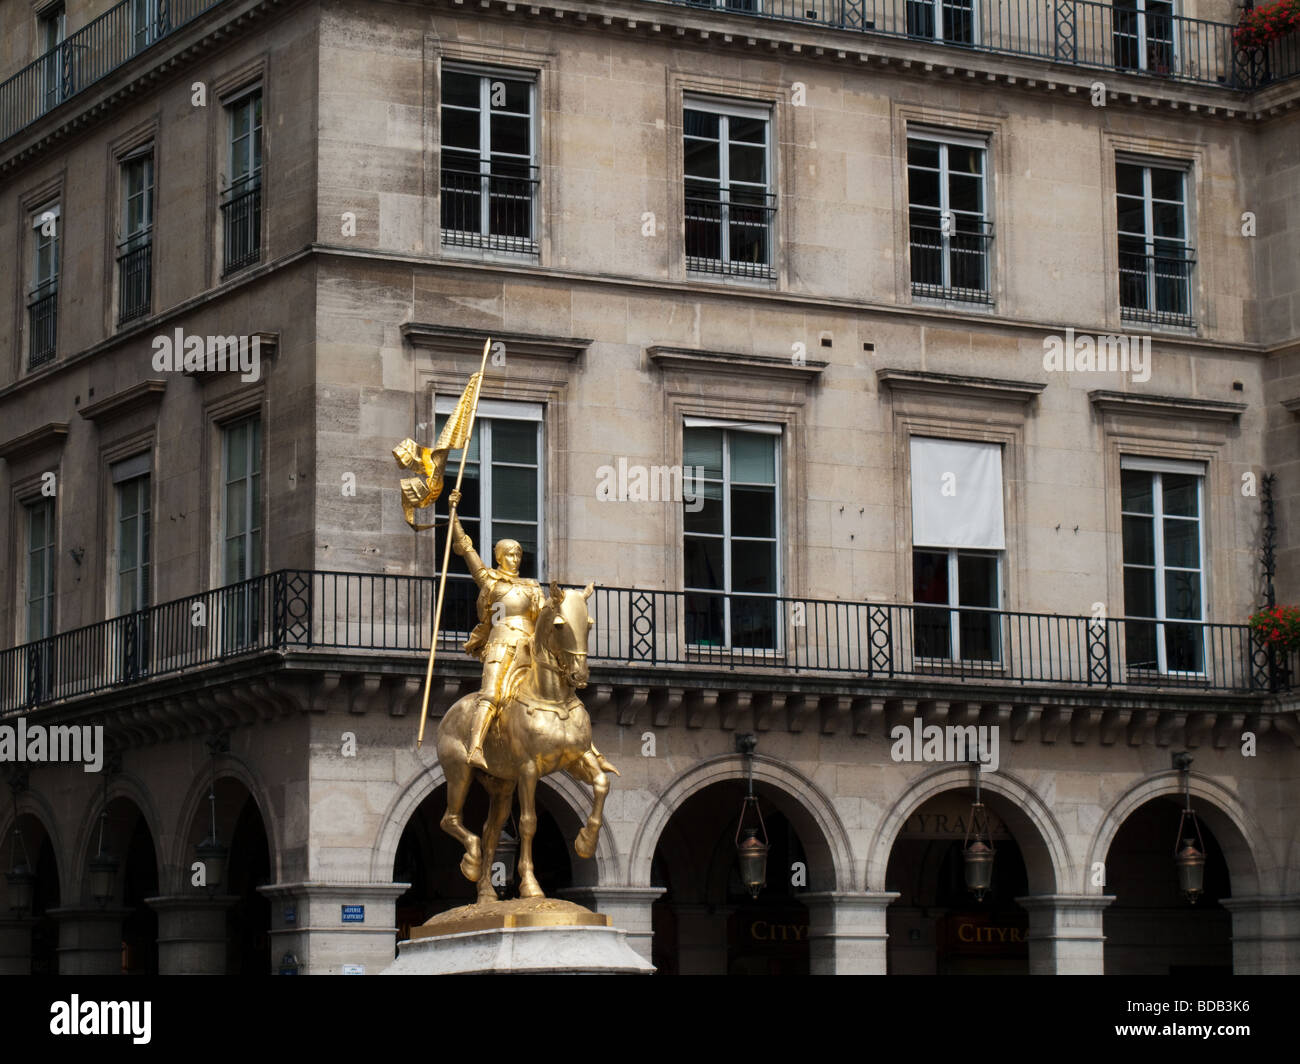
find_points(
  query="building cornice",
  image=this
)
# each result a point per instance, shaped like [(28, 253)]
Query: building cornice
[(50, 435), (452, 340), (731, 363), (146, 393), (958, 385)]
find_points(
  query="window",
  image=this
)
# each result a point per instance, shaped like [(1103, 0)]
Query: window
[(51, 30), (950, 232), (730, 205), (951, 21), (135, 249), (131, 483), (957, 540), (731, 570), (489, 161), (1162, 502), (501, 495), (1142, 33), (43, 298), (40, 597), (150, 21), (241, 203), (241, 530), (1156, 258)]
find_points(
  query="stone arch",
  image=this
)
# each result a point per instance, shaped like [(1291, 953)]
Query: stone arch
[(810, 811), (574, 805), (1251, 865), (122, 785), (1048, 865), (229, 766), (32, 803)]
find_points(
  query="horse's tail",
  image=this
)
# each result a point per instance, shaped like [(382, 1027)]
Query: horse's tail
[(605, 766)]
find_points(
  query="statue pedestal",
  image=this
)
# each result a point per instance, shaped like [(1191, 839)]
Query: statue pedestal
[(541, 936)]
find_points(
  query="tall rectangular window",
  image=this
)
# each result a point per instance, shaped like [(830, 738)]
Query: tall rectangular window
[(950, 231), (40, 569), (241, 531), (501, 495), (241, 202), (1162, 503), (58, 82), (731, 522), (135, 248), (131, 487), (43, 296), (489, 161), (957, 542), (730, 203), (1156, 257), (952, 21)]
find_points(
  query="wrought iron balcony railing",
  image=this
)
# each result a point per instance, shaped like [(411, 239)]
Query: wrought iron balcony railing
[(730, 231), (693, 631), (1085, 33), (241, 224), (951, 264), (497, 210), (134, 277), (42, 324), (91, 53), (1157, 289)]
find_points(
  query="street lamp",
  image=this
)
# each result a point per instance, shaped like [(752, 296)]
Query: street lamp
[(1189, 852), (752, 849), (977, 849), (210, 852), (103, 866)]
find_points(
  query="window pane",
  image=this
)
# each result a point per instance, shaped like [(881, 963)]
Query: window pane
[(930, 576), (977, 580), (753, 458), (460, 129), (1182, 543), (1139, 541), (1128, 179), (460, 89), (753, 566), (923, 153), (923, 187), (747, 130), (965, 194), (1183, 595), (964, 160), (514, 493), (700, 124), (510, 134), (1180, 494), (703, 448), (514, 441), (1139, 592), (753, 512), (748, 164), (704, 514), (704, 563), (1167, 184), (1135, 489), (701, 159)]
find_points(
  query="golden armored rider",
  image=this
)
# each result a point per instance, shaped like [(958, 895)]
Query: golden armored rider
[(508, 606)]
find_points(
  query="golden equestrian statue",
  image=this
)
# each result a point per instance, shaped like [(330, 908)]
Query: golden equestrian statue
[(526, 720)]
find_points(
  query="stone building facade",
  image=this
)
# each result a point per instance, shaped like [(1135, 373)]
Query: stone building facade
[(933, 314)]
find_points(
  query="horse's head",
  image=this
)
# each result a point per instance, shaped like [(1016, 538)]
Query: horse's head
[(562, 629)]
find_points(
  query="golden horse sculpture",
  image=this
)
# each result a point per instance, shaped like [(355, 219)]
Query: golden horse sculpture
[(541, 728)]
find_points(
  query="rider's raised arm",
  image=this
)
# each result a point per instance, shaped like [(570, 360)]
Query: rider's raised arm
[(464, 546)]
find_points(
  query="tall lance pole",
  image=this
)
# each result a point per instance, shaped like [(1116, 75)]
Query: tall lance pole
[(446, 553)]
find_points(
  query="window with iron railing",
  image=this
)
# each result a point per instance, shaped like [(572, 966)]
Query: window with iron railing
[(949, 232), (52, 29), (489, 172), (150, 21), (43, 296), (1142, 33), (1156, 259), (241, 531), (241, 203), (949, 21), (135, 249), (730, 204)]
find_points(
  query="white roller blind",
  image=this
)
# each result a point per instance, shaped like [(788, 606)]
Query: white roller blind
[(1161, 465), (963, 509)]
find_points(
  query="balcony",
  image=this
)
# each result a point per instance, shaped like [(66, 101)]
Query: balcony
[(951, 264), (1151, 41), (42, 324), (495, 211), (730, 231), (89, 55), (241, 224), (1157, 289), (658, 633), (134, 277)]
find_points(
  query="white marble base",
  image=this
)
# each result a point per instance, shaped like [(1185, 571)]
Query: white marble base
[(522, 951)]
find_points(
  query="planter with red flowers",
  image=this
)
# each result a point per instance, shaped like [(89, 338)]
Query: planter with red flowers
[(1262, 25), (1277, 627)]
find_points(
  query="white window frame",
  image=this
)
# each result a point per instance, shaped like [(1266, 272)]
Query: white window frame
[(726, 110), (954, 608), (255, 565), (943, 139), (1148, 237), (232, 105), (1143, 16), (1157, 467), (486, 75), (752, 428), (491, 410), (937, 8)]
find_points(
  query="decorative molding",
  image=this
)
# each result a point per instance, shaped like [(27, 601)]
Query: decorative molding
[(470, 341), (685, 358), (1175, 407), (1293, 405), (51, 435), (959, 385), (268, 343), (146, 393)]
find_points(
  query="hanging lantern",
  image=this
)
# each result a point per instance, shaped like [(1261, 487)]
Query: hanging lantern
[(977, 848), (1189, 850), (22, 889), (103, 877), (751, 850), (214, 857)]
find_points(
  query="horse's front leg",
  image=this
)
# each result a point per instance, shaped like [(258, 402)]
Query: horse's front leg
[(588, 770), (528, 886), (502, 792), (458, 781)]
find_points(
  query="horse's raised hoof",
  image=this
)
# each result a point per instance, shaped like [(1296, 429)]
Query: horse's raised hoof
[(470, 868), (585, 843), (528, 887)]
